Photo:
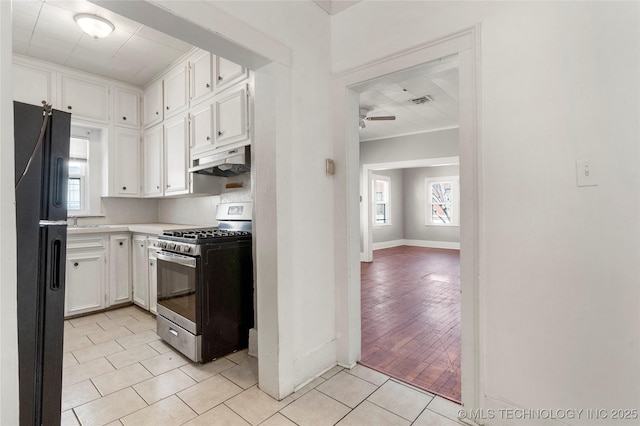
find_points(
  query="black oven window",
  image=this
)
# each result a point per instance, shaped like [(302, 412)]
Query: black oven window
[(177, 288)]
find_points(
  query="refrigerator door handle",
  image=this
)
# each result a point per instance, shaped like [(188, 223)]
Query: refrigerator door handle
[(58, 184), (55, 264), (43, 223)]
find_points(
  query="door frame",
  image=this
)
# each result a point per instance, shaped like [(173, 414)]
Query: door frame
[(345, 100)]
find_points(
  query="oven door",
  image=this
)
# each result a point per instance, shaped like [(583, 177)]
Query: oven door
[(178, 277)]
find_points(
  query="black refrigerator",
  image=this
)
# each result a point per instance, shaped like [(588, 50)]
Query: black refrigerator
[(41, 172)]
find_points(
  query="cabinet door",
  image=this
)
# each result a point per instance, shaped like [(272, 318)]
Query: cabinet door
[(85, 281), (153, 166), (176, 148), (228, 73), (120, 271), (152, 104), (153, 282), (32, 85), (126, 107), (176, 91), (201, 77), (201, 128), (85, 99), (230, 117), (140, 276), (125, 164)]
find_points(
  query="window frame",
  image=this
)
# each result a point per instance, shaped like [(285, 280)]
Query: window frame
[(83, 176), (375, 203), (455, 200)]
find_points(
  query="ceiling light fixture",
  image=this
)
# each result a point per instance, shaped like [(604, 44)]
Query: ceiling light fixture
[(93, 25)]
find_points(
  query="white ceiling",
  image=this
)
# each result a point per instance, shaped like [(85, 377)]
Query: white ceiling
[(133, 53), (334, 6), (394, 98)]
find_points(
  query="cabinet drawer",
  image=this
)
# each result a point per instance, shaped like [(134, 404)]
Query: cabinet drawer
[(85, 243)]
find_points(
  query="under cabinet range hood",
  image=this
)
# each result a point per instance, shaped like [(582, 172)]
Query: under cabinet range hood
[(226, 164)]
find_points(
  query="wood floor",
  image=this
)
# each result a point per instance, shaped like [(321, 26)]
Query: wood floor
[(411, 317)]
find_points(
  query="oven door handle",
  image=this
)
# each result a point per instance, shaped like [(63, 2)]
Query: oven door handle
[(181, 260)]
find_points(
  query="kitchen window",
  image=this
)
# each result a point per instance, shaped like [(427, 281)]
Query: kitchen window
[(76, 189), (381, 200), (442, 196)]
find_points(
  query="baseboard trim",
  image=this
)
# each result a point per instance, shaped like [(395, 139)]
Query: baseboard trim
[(452, 245)]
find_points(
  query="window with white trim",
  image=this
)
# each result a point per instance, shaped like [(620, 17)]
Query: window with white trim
[(78, 171), (381, 200), (442, 196)]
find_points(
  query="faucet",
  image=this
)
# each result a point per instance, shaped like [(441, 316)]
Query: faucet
[(75, 220)]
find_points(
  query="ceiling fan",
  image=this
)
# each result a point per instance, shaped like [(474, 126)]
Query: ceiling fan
[(364, 111)]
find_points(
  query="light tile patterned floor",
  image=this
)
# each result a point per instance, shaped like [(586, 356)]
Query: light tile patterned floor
[(117, 372)]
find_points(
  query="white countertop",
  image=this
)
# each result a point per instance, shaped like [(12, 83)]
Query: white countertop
[(141, 228)]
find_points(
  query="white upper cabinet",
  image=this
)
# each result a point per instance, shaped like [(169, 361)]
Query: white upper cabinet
[(202, 128), (33, 85), (176, 155), (153, 162), (152, 104), (201, 77), (126, 107), (124, 166), (176, 90), (84, 98), (230, 117), (228, 73)]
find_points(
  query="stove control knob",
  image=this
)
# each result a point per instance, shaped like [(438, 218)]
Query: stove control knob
[(186, 249)]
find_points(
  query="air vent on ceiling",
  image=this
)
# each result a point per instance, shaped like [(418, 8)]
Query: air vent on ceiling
[(422, 100)]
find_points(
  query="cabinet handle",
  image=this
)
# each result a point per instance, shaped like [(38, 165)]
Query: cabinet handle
[(69, 107), (220, 78), (150, 263), (219, 133), (167, 108), (157, 113), (120, 243), (124, 188), (168, 186), (208, 85), (124, 118), (208, 138), (75, 264), (157, 186)]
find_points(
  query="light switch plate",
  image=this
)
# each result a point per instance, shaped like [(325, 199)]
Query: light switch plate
[(587, 173), (330, 167)]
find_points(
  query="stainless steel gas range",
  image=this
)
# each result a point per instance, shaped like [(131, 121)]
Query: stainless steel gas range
[(205, 285)]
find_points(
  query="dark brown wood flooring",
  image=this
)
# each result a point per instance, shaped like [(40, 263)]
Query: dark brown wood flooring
[(411, 317)]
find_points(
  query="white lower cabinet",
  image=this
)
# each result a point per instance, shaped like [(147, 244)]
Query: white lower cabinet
[(98, 272), (153, 280), (86, 273), (140, 271), (144, 272), (120, 271)]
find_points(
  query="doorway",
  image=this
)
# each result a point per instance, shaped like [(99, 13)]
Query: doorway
[(410, 292), (346, 88)]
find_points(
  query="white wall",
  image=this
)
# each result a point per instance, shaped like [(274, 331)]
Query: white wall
[(300, 250), (415, 206), (438, 144), (8, 313), (560, 290)]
